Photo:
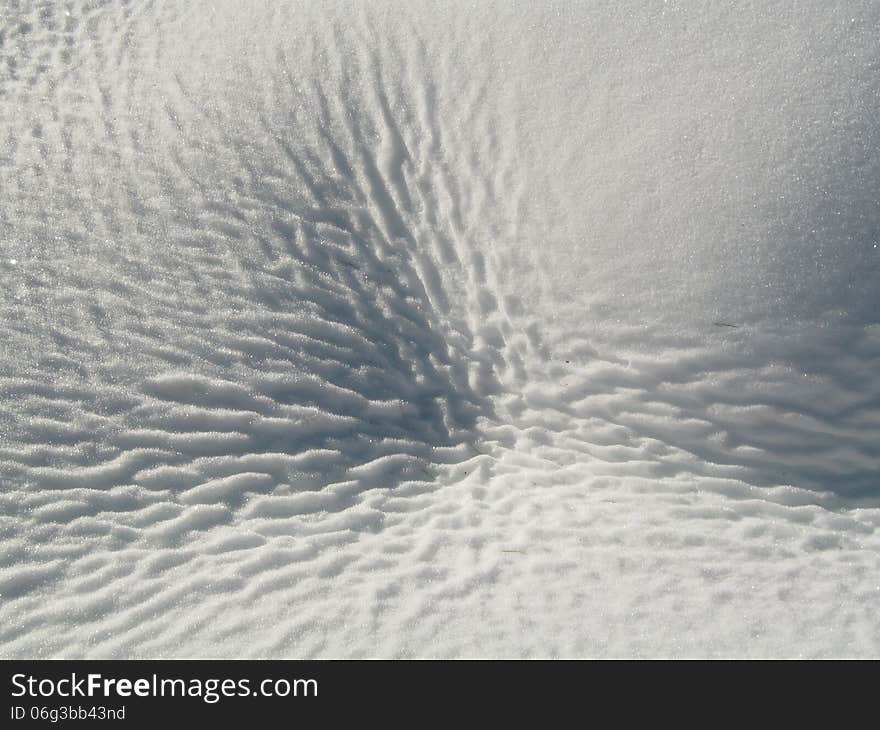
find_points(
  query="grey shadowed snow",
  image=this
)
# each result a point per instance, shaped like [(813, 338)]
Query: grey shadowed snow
[(387, 329)]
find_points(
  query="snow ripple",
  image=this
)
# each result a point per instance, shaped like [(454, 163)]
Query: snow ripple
[(276, 377)]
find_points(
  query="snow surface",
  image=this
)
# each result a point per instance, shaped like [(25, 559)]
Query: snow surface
[(426, 330)]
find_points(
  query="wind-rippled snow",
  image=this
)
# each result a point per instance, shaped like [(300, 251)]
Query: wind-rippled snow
[(401, 329)]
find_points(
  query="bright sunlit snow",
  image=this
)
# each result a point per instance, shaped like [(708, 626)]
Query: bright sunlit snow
[(497, 329)]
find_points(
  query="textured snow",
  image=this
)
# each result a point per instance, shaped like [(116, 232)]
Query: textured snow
[(425, 330)]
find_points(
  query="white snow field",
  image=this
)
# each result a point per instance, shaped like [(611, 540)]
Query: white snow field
[(458, 329)]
